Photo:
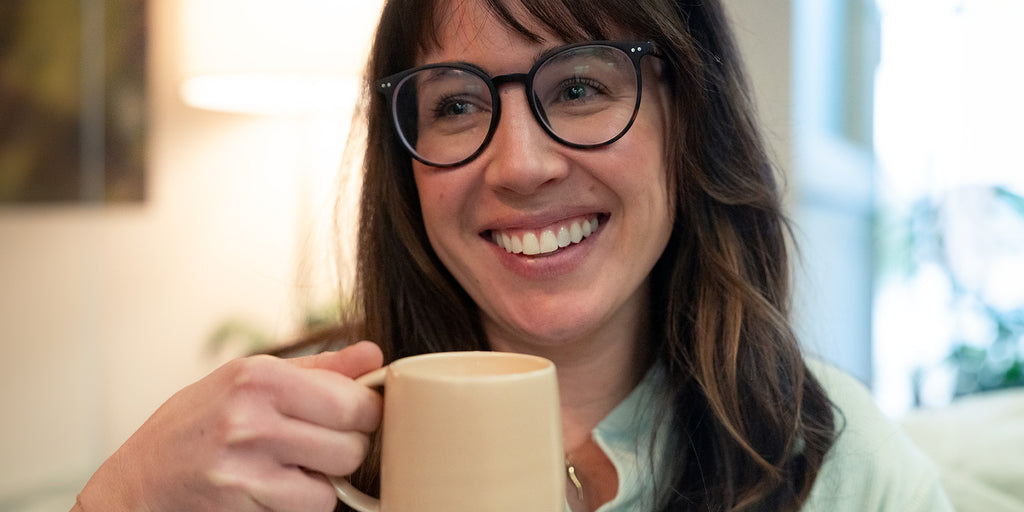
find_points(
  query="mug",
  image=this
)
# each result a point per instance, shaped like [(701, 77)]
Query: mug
[(467, 431)]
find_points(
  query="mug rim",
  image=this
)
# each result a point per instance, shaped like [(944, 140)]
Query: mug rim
[(417, 366)]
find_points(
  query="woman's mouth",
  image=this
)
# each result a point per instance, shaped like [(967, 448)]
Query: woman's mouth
[(547, 240)]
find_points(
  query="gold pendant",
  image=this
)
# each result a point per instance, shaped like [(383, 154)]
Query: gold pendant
[(571, 470)]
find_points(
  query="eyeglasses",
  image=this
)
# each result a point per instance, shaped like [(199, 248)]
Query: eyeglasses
[(584, 95)]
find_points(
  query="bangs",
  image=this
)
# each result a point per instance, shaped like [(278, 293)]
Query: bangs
[(569, 20), (410, 28), (581, 21)]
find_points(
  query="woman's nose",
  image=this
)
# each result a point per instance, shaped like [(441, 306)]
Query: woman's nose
[(521, 157)]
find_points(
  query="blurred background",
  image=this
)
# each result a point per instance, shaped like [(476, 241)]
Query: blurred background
[(175, 192)]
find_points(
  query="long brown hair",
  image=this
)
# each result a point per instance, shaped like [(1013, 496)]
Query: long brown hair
[(750, 424)]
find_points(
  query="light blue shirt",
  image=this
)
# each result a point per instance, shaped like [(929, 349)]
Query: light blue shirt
[(872, 466)]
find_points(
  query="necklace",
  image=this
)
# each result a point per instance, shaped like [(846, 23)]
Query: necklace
[(570, 469)]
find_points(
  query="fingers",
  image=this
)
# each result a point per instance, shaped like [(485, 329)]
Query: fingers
[(352, 361), (239, 438), (318, 417), (325, 393), (322, 397), (324, 450), (293, 489)]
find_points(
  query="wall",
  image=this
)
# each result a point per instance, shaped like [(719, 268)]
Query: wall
[(763, 31), (105, 311)]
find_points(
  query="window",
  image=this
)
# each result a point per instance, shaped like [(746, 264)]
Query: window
[(949, 296)]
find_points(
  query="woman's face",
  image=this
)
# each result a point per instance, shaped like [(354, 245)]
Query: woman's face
[(525, 184)]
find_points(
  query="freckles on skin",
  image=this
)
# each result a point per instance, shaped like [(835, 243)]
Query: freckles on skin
[(435, 195)]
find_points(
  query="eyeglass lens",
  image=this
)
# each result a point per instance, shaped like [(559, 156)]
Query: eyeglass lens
[(585, 96)]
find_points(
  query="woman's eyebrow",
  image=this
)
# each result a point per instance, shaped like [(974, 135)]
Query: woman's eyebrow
[(541, 53)]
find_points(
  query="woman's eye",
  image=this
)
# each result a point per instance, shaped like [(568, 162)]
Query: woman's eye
[(453, 107), (575, 92), (578, 89)]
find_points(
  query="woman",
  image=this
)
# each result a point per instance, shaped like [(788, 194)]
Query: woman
[(582, 181)]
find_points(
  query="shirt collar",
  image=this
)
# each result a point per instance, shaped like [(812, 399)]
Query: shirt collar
[(626, 436)]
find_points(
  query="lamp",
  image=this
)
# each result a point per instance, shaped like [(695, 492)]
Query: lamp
[(274, 56), (299, 61)]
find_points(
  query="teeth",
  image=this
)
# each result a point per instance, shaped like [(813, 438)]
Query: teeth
[(516, 245), (576, 232), (563, 237), (549, 240), (531, 245)]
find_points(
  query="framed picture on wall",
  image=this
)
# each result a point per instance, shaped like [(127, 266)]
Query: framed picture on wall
[(72, 101)]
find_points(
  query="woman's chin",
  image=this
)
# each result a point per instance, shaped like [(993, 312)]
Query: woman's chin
[(542, 330)]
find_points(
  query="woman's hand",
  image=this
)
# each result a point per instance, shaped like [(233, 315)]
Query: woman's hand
[(258, 433)]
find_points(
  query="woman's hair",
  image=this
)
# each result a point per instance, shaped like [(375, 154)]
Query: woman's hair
[(750, 424)]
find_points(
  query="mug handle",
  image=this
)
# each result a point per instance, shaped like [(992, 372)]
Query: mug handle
[(347, 492)]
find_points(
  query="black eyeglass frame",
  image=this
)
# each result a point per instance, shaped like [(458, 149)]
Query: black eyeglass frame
[(635, 50)]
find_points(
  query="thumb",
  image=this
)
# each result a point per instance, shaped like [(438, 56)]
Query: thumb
[(351, 361)]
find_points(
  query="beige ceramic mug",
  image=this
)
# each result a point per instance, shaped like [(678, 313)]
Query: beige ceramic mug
[(467, 431)]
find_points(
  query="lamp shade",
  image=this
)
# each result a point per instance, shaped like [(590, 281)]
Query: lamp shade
[(274, 56)]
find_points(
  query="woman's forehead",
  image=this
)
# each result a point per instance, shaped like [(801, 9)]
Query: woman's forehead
[(463, 27), (468, 29)]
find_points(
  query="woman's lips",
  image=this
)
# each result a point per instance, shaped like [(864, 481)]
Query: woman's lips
[(548, 239)]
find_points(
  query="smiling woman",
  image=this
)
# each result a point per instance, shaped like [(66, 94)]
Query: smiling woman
[(619, 217)]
